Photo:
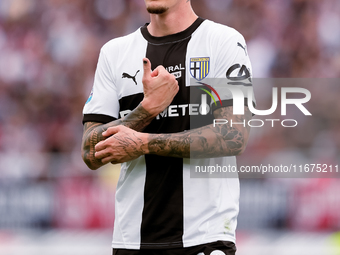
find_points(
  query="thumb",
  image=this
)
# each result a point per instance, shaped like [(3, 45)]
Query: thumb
[(147, 67)]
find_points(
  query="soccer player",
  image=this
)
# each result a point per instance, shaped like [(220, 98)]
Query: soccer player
[(138, 114)]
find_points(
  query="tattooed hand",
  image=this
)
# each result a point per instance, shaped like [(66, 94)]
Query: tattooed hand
[(123, 144), (138, 119), (160, 88)]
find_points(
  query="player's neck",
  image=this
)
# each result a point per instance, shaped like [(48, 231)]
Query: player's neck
[(172, 22)]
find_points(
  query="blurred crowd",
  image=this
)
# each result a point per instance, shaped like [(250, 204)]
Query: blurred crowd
[(49, 51)]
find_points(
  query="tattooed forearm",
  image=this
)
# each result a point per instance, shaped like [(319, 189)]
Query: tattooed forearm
[(91, 136), (173, 145), (138, 119), (207, 141)]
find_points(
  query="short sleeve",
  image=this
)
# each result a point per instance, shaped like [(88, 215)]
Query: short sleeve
[(102, 105), (233, 65), (233, 55)]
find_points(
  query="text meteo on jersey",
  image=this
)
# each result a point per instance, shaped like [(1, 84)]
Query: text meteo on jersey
[(181, 110)]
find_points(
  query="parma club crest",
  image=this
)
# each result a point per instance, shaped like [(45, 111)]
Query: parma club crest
[(199, 67)]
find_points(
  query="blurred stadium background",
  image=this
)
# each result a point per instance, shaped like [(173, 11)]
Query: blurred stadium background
[(50, 203)]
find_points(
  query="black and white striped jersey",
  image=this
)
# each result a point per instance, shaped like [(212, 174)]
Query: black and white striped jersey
[(158, 205)]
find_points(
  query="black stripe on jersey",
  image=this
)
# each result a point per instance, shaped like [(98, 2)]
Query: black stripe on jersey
[(100, 118), (130, 102), (162, 218)]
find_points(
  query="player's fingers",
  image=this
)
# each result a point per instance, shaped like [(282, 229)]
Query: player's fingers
[(147, 68), (111, 131), (101, 154), (176, 88), (160, 70), (155, 73), (107, 160), (100, 146)]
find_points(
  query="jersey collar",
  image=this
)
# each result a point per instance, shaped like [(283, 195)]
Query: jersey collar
[(171, 38)]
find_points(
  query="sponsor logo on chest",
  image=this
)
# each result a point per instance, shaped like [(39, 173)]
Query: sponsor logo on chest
[(176, 70)]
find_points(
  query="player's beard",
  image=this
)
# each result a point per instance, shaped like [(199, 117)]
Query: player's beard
[(157, 10)]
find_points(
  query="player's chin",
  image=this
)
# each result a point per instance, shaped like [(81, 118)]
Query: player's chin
[(156, 9)]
